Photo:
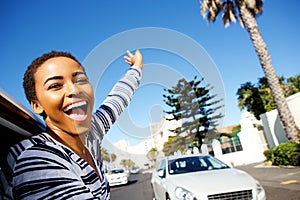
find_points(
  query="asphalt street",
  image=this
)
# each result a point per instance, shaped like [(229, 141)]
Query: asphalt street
[(138, 188), (280, 183)]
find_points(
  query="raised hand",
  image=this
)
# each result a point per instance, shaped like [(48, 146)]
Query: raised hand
[(134, 59)]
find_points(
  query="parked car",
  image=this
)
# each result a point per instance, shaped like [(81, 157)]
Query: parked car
[(134, 170), (200, 177), (117, 176), (16, 124)]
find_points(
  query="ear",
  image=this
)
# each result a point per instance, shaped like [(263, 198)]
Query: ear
[(37, 107)]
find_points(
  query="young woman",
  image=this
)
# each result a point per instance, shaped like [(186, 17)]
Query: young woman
[(57, 164)]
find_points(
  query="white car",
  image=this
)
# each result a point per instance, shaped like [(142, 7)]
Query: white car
[(134, 170), (201, 177), (117, 176)]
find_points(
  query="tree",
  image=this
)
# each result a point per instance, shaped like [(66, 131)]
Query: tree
[(250, 98), (257, 98), (294, 85), (106, 156), (195, 107), (174, 144), (127, 163), (152, 155), (247, 10), (113, 157)]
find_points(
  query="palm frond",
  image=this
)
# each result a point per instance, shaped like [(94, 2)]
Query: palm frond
[(229, 13), (241, 22), (254, 6), (210, 9)]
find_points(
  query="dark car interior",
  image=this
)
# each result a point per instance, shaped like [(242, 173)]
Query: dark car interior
[(16, 124)]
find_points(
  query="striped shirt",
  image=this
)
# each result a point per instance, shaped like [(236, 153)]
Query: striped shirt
[(43, 168)]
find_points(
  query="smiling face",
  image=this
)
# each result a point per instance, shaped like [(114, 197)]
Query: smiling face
[(64, 96)]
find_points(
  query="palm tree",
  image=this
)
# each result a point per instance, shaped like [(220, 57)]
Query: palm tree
[(246, 11), (105, 155), (152, 155), (127, 163)]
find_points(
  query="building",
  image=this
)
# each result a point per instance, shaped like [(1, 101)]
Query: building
[(247, 147), (274, 131), (160, 131)]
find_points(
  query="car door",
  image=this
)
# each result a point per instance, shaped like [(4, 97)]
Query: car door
[(158, 181), (16, 123)]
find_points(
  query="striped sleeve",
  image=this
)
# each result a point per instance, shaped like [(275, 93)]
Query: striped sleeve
[(115, 103)]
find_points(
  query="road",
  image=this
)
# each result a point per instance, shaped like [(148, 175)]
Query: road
[(138, 188), (280, 183)]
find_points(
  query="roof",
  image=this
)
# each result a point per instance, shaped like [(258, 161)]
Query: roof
[(227, 129)]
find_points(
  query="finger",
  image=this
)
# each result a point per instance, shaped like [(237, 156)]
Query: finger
[(129, 53), (126, 58)]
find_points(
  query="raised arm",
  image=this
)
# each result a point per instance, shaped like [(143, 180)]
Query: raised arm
[(119, 97)]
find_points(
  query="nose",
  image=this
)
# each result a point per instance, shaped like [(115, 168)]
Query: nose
[(72, 90)]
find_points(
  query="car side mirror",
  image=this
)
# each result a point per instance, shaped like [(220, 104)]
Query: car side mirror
[(161, 173)]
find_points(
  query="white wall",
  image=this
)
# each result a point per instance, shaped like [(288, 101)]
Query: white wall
[(273, 129), (252, 141)]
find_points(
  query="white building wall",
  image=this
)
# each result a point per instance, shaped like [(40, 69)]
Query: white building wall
[(255, 142), (274, 131), (161, 131), (252, 141)]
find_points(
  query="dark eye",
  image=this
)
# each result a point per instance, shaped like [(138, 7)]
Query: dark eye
[(81, 80), (54, 86)]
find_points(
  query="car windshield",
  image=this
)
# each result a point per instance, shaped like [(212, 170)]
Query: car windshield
[(116, 171), (194, 164)]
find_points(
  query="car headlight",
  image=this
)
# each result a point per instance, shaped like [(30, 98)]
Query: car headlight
[(183, 194)]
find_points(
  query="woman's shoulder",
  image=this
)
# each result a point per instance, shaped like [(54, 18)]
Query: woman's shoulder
[(37, 140), (39, 146)]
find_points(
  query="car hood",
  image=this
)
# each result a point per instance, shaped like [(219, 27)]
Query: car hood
[(213, 181)]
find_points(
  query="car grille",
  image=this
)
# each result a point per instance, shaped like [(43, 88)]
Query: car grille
[(239, 195)]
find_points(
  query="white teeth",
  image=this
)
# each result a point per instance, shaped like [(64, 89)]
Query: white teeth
[(78, 104)]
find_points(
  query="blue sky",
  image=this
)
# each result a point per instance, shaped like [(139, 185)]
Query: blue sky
[(93, 31)]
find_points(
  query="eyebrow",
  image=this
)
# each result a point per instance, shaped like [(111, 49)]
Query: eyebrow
[(61, 77), (78, 73), (53, 78)]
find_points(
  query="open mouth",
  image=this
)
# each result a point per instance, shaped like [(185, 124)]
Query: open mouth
[(77, 111)]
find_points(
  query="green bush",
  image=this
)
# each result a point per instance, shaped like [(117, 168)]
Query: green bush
[(287, 153), (268, 154)]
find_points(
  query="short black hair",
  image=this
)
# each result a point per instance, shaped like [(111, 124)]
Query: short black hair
[(28, 79)]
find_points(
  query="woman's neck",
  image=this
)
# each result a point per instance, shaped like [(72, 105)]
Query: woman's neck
[(74, 142)]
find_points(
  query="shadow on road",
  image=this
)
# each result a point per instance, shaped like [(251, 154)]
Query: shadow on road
[(130, 182)]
